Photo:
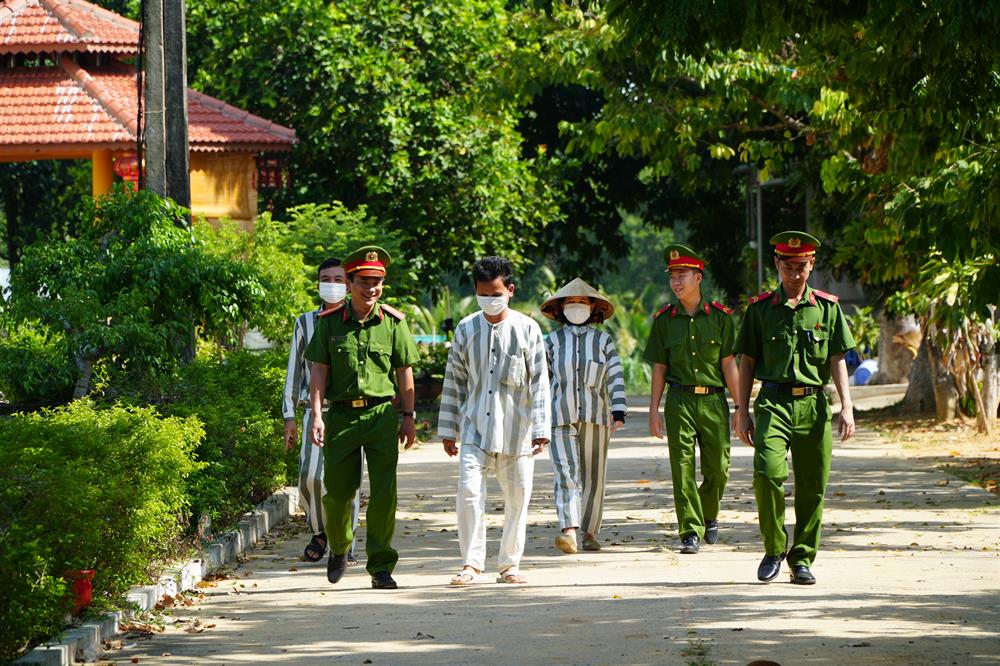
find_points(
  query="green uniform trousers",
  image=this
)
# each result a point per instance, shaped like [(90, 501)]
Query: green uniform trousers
[(376, 430), (801, 425), (701, 419)]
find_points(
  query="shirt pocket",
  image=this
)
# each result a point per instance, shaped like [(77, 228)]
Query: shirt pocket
[(594, 374), (380, 356), (515, 371), (342, 354), (778, 348), (711, 351), (815, 344)]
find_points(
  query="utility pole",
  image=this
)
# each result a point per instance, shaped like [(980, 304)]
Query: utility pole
[(165, 120)]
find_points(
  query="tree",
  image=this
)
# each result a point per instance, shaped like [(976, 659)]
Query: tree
[(391, 101)]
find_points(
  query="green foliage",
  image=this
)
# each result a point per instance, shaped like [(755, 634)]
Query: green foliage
[(390, 102), (433, 360), (865, 329), (331, 231), (130, 293), (85, 488), (237, 398), (35, 364), (284, 285)]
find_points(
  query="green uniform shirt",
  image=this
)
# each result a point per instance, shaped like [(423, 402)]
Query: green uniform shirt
[(692, 347), (794, 345), (361, 355)]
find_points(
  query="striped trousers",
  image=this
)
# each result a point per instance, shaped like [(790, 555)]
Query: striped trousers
[(579, 453), (311, 488), (514, 473)]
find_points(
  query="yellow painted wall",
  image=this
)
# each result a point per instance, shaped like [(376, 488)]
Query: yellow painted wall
[(222, 185)]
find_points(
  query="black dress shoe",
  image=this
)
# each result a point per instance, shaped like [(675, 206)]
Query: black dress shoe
[(336, 565), (769, 567), (382, 580), (711, 531), (689, 543), (802, 576)]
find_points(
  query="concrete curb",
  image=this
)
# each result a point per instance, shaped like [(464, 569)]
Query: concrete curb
[(84, 643)]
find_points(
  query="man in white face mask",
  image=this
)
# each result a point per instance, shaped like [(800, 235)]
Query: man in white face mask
[(332, 290), (495, 404)]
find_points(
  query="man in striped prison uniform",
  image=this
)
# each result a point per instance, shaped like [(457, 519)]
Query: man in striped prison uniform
[(495, 403), (691, 349), (583, 366), (332, 290)]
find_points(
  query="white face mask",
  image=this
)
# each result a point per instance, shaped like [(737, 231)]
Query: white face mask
[(332, 292), (576, 313), (493, 305)]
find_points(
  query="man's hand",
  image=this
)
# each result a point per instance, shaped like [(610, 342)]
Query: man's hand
[(450, 447), (846, 422), (656, 424), (408, 432), (318, 430), (538, 445), (744, 426), (617, 425), (291, 433)]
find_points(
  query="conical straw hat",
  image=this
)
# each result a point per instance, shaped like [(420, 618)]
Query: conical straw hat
[(577, 287)]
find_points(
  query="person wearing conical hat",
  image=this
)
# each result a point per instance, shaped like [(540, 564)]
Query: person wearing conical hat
[(691, 349), (794, 340), (588, 404), (361, 350)]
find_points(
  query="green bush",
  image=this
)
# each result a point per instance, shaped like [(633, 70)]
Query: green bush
[(35, 364), (85, 488), (238, 399)]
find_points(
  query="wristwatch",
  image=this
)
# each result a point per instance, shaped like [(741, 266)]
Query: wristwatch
[(410, 414)]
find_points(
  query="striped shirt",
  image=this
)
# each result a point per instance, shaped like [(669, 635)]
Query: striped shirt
[(496, 385), (297, 375), (585, 368)]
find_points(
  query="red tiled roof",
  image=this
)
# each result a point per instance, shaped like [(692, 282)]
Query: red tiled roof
[(45, 108), (41, 26)]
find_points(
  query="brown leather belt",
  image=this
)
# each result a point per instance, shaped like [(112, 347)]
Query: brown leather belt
[(697, 390), (359, 403), (794, 390)]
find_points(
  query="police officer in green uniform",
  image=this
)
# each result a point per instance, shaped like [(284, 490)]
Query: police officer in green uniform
[(691, 349), (793, 340), (357, 347)]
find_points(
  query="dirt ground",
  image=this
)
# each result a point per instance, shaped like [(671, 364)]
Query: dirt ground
[(909, 573)]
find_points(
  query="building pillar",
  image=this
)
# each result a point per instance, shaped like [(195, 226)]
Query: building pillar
[(102, 175)]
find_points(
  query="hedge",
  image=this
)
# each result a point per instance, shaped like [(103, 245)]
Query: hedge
[(84, 487)]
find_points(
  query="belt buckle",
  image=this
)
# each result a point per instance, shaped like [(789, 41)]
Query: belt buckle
[(701, 390), (799, 391), (358, 404)]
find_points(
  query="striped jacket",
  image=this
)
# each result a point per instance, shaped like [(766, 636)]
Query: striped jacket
[(584, 366), (496, 385), (297, 374)]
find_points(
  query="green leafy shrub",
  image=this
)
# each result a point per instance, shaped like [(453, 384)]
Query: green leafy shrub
[(35, 365), (86, 488), (238, 399)]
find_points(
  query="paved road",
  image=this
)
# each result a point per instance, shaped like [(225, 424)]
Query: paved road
[(909, 574)]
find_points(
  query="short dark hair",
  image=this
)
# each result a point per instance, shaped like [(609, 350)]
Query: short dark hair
[(327, 263), (488, 269)]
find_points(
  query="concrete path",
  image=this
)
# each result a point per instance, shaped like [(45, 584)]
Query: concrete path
[(909, 574)]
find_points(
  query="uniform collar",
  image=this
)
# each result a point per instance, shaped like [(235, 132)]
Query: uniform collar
[(779, 297), (678, 309), (349, 313), (578, 330)]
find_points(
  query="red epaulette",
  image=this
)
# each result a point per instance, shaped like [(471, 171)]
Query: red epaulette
[(661, 311), (759, 297), (336, 308), (719, 306), (826, 297), (393, 312)]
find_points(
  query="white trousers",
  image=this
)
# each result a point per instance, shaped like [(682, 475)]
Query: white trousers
[(311, 488), (514, 473), (579, 453)]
